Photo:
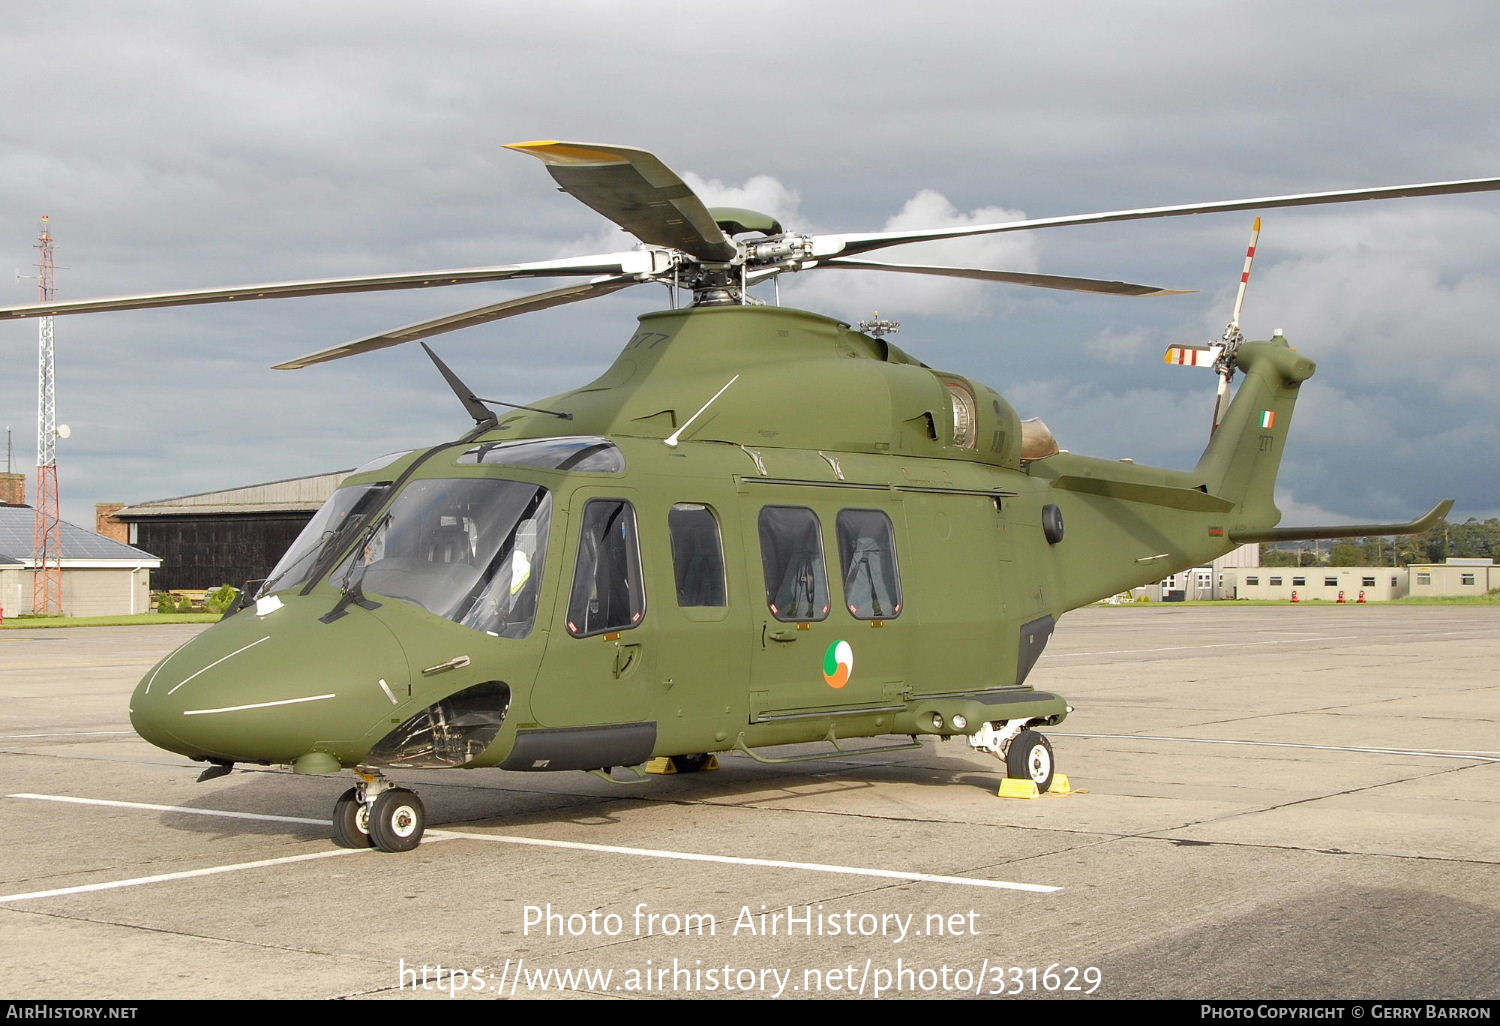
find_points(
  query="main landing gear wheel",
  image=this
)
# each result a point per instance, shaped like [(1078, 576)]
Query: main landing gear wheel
[(690, 763), (397, 820), (1030, 758), (351, 821)]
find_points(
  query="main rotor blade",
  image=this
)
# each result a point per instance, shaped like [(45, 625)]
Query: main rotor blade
[(636, 191), (465, 319), (1046, 281), (634, 262), (830, 245)]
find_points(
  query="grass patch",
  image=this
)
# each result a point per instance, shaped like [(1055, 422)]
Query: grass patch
[(25, 622)]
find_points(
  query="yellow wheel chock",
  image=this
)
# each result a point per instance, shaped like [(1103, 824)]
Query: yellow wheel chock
[(1012, 787), (668, 764)]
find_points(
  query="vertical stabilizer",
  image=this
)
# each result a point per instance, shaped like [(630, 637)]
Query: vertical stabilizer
[(1242, 458)]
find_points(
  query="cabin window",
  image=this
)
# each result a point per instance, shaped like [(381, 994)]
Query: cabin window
[(1299, 582), (467, 549), (1330, 582), (791, 552), (1276, 582), (1252, 580), (607, 591), (1367, 582), (1424, 577), (867, 556), (697, 555)]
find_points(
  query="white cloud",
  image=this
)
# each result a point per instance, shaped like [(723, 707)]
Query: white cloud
[(856, 294), (1126, 347), (1296, 513), (761, 193)]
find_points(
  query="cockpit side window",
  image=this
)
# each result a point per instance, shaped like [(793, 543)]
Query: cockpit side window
[(791, 552), (607, 591), (697, 555), (867, 555), (506, 607)]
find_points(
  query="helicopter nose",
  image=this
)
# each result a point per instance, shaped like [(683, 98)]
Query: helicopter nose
[(272, 688)]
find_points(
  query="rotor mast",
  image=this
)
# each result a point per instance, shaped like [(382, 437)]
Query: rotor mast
[(46, 588)]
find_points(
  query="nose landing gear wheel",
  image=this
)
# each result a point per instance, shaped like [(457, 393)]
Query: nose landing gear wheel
[(1030, 758), (397, 820), (351, 821), (690, 763)]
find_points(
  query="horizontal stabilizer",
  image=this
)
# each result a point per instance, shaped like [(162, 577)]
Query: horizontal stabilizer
[(1276, 534), (1157, 495)]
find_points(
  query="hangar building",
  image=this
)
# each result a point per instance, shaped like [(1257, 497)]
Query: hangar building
[(214, 538)]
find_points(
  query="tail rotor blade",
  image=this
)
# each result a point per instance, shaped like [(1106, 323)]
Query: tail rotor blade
[(1221, 403), (1191, 356), (1239, 299)]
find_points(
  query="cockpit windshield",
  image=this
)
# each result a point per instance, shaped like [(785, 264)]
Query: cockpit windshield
[(468, 549), (335, 521)]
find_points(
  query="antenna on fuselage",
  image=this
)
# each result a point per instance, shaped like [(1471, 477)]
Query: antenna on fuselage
[(484, 418)]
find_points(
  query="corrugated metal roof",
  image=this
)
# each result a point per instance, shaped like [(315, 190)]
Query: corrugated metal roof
[(18, 540), (295, 494)]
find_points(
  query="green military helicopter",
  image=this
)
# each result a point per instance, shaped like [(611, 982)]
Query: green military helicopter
[(759, 527)]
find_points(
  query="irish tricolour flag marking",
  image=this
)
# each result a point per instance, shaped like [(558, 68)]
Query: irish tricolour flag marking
[(1267, 418)]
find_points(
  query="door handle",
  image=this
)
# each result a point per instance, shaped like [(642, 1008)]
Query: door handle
[(625, 659), (783, 636)]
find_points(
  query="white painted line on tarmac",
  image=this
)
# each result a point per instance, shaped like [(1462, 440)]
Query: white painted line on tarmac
[(1252, 644), (732, 860), (169, 808), (185, 875), (70, 733), (439, 835), (190, 873), (1227, 644), (1431, 753)]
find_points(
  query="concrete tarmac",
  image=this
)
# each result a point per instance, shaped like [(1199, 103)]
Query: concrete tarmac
[(1278, 802)]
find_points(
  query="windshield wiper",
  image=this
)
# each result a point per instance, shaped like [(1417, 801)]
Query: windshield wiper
[(352, 583)]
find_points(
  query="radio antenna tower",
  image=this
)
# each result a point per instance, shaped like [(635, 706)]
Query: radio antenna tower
[(46, 588)]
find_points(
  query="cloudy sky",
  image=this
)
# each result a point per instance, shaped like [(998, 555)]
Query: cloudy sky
[(179, 144)]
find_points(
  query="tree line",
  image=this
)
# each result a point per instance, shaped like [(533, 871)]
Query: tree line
[(1471, 539)]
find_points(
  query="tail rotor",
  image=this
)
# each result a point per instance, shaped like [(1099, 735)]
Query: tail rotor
[(1221, 354)]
